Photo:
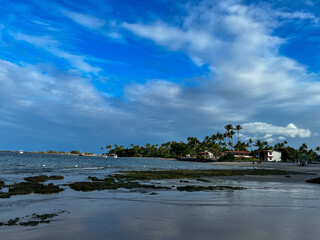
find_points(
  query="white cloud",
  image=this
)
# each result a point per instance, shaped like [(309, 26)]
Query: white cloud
[(83, 19), (298, 15), (291, 130), (242, 54), (54, 47), (28, 87)]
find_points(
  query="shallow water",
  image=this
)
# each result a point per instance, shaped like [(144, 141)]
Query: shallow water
[(263, 211)]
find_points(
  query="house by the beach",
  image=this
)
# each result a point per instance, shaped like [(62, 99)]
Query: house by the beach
[(206, 154), (268, 155), (237, 154)]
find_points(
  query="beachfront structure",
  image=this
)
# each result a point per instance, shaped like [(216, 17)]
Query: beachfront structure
[(206, 154), (238, 154), (268, 155)]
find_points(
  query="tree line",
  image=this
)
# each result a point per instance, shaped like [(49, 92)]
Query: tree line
[(216, 143)]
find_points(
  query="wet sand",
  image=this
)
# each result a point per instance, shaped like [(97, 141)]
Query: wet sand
[(304, 172), (311, 168)]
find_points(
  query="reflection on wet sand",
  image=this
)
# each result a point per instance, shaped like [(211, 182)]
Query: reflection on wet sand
[(281, 211)]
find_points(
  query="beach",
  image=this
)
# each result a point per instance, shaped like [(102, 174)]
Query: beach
[(242, 207)]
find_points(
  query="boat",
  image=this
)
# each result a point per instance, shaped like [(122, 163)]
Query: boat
[(21, 151), (113, 155)]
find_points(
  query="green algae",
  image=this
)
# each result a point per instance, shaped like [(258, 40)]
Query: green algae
[(35, 220), (194, 188), (24, 188), (110, 183), (194, 174), (43, 178)]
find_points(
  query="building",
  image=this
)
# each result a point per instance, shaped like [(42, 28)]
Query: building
[(206, 154), (237, 154), (268, 155)]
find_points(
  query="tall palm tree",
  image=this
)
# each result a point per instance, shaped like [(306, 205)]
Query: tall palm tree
[(250, 143), (231, 133), (228, 128), (258, 144), (238, 128), (318, 149)]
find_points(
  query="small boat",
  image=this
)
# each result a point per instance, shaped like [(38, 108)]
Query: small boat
[(113, 155), (21, 151)]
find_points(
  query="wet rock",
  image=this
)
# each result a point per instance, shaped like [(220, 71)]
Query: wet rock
[(24, 188), (43, 178), (194, 188), (314, 180)]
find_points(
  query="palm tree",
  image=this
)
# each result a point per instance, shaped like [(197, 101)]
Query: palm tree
[(250, 143), (238, 128), (303, 148), (231, 133), (318, 149), (228, 128), (258, 144)]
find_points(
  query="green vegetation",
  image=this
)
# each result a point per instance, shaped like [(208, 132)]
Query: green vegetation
[(24, 188), (52, 152), (74, 152), (216, 144), (110, 183), (193, 188), (193, 174), (43, 178), (35, 220)]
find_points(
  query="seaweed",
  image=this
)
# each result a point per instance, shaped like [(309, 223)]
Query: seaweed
[(202, 180), (194, 188), (35, 220), (95, 179), (110, 183), (24, 188), (12, 222), (314, 180), (44, 217), (194, 174), (184, 181), (30, 223), (43, 178)]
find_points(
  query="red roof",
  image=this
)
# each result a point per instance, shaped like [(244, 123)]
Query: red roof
[(245, 152)]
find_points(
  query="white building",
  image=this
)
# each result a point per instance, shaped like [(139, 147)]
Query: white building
[(269, 155), (206, 154)]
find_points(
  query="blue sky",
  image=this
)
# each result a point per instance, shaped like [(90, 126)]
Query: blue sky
[(81, 75)]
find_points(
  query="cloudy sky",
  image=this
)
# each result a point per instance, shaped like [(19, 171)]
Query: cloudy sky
[(85, 74)]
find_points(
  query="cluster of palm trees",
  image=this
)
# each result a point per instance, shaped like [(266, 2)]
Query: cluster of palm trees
[(216, 143)]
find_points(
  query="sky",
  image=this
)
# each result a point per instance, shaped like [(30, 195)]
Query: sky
[(86, 74)]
